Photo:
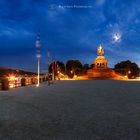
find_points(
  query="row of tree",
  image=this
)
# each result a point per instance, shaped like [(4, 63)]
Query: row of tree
[(75, 67), (72, 67)]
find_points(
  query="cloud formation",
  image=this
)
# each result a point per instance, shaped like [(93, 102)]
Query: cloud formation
[(67, 32)]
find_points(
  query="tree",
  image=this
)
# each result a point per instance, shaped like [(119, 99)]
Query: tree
[(61, 66), (73, 67), (92, 66), (127, 68), (85, 67), (50, 68)]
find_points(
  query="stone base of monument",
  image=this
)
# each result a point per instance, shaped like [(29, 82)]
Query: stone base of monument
[(103, 73)]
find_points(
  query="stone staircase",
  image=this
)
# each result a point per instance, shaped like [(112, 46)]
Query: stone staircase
[(101, 73)]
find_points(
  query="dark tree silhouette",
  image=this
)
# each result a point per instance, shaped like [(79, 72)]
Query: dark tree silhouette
[(73, 67), (85, 67), (60, 66), (92, 66), (128, 68)]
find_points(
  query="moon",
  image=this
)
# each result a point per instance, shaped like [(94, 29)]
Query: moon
[(116, 37)]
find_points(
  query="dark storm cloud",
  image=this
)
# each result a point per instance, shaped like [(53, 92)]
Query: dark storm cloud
[(68, 32)]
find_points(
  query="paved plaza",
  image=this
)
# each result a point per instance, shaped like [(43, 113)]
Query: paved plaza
[(72, 110)]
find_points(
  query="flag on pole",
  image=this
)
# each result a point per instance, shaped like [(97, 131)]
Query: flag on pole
[(38, 45)]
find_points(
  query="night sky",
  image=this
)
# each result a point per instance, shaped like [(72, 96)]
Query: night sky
[(69, 29)]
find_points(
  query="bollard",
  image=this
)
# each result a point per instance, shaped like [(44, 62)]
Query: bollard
[(23, 82), (43, 79), (4, 84), (40, 80)]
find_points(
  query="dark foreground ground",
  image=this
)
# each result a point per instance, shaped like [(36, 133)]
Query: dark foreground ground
[(72, 110)]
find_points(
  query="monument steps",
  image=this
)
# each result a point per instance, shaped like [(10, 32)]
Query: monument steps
[(101, 70)]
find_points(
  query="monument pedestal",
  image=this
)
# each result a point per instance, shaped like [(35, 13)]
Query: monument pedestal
[(101, 70), (106, 73)]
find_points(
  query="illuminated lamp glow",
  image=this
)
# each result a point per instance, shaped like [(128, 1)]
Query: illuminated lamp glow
[(125, 76), (12, 78), (37, 85), (11, 86)]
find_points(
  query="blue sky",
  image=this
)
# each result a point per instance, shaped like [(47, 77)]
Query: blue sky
[(70, 29)]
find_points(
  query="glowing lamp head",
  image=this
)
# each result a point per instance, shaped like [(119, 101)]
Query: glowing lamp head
[(71, 71), (11, 77), (129, 72), (126, 76)]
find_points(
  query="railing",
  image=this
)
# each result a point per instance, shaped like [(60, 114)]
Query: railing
[(13, 82)]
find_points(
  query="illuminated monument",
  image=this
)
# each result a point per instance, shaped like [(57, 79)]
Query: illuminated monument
[(100, 62), (101, 69)]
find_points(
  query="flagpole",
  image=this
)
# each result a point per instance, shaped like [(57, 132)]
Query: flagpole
[(38, 71), (48, 61), (53, 74), (38, 45), (53, 67)]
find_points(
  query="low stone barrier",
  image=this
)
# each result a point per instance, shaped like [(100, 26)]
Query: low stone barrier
[(6, 83)]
